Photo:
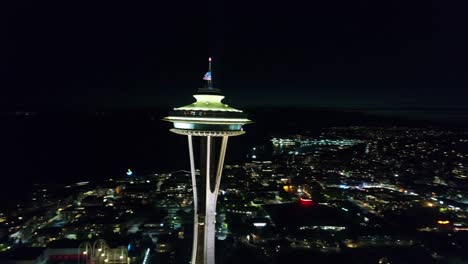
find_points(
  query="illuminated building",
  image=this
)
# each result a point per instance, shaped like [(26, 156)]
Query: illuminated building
[(211, 123), (100, 252)]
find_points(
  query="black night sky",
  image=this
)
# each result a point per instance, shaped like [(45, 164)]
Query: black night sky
[(84, 54)]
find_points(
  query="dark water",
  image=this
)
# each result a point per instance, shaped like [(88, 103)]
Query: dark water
[(64, 147), (445, 116)]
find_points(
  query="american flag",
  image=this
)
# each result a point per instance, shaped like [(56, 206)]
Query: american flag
[(207, 76)]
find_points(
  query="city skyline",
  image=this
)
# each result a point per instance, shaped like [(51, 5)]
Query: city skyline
[(351, 193)]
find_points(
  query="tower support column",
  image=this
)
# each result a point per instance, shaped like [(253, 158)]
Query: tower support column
[(204, 236), (195, 200)]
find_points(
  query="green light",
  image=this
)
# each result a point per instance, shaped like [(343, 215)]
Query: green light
[(207, 119), (208, 103)]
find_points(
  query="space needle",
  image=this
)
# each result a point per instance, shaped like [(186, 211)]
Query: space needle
[(209, 123)]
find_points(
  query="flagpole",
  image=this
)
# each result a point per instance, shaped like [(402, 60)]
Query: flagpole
[(209, 70)]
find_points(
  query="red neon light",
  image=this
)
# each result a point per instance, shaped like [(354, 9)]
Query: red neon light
[(305, 201)]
